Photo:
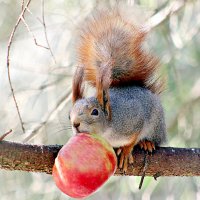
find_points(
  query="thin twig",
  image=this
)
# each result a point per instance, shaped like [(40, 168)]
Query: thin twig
[(8, 61), (61, 102), (42, 22), (29, 30), (5, 134), (45, 32), (156, 175), (22, 4), (144, 169), (162, 15)]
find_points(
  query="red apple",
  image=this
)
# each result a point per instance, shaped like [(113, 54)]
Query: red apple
[(83, 165)]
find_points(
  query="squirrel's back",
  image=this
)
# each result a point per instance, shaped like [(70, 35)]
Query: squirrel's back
[(112, 46), (136, 109)]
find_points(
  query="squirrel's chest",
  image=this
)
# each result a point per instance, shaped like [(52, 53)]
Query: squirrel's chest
[(115, 139)]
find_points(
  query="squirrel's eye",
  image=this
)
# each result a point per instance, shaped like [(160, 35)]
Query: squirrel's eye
[(95, 112)]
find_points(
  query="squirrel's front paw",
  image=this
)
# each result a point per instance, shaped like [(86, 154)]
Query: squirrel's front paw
[(125, 157)]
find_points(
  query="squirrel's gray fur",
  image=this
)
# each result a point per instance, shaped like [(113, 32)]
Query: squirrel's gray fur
[(134, 110)]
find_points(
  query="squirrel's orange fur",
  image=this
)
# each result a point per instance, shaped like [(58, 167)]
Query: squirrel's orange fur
[(111, 54)]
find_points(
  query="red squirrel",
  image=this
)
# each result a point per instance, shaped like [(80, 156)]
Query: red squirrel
[(126, 109)]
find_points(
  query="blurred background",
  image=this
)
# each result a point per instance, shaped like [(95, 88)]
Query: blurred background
[(41, 77)]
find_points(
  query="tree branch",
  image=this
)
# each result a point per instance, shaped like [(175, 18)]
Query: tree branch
[(162, 15), (165, 161), (8, 60)]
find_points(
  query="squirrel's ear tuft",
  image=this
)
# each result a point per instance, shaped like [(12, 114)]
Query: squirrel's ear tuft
[(106, 104), (77, 85)]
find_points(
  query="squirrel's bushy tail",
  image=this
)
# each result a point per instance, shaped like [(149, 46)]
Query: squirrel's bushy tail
[(111, 53)]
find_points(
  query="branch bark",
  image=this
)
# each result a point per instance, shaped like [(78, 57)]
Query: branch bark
[(165, 161)]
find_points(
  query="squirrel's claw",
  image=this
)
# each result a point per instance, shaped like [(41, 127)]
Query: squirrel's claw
[(119, 150), (147, 145), (125, 157), (123, 162), (131, 159)]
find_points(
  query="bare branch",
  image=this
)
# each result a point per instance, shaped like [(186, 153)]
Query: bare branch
[(165, 161), (21, 18), (22, 4), (45, 32), (29, 30), (8, 61), (5, 134), (61, 102), (162, 15)]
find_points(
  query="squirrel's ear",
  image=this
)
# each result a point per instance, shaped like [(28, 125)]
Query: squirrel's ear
[(104, 101), (103, 80), (77, 85), (106, 104)]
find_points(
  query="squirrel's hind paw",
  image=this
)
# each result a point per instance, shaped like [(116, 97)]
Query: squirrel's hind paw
[(125, 157), (147, 145)]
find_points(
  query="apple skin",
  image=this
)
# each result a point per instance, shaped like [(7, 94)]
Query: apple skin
[(83, 164)]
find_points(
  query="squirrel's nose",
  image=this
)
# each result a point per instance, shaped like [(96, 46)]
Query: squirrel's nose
[(76, 124)]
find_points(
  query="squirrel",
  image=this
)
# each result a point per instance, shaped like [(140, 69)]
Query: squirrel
[(126, 109)]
